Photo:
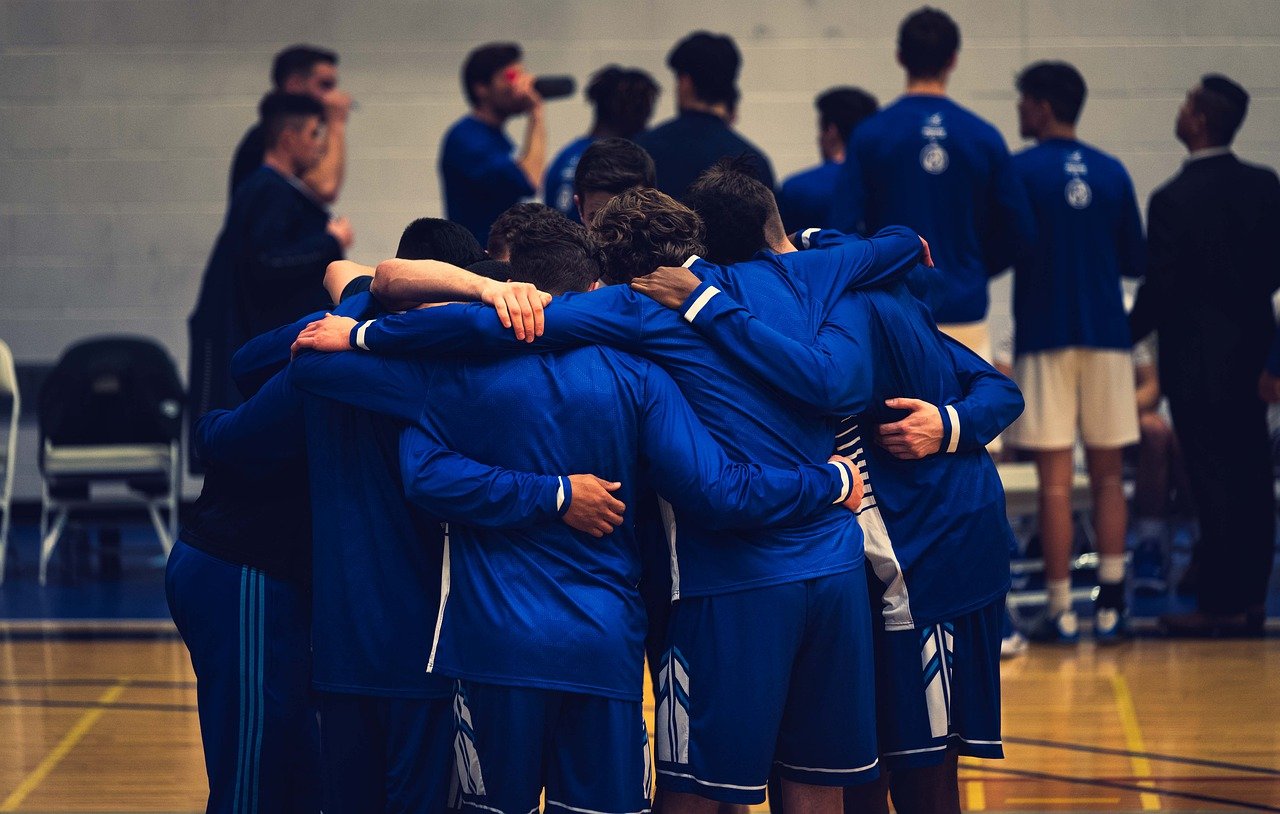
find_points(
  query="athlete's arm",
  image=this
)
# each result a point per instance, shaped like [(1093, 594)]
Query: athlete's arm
[(1163, 240), (832, 374), (1132, 243), (405, 283), (850, 261), (1011, 234), (266, 354), (276, 258), (457, 489), (380, 384), (261, 433), (341, 273), (691, 471), (990, 404)]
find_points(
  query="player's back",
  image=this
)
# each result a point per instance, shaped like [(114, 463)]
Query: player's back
[(522, 604), (928, 163), (955, 555), (1068, 293)]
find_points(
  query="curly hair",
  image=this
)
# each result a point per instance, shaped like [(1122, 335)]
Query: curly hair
[(641, 229)]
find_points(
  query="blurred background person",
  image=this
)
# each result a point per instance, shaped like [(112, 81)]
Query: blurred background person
[(607, 168), (313, 72), (706, 67), (1072, 355), (623, 100), (805, 198), (1211, 272), (481, 177)]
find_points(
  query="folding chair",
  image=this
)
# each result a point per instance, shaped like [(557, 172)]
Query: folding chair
[(110, 412), (9, 394)]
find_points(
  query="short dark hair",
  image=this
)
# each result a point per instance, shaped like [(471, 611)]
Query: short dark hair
[(1223, 103), (711, 61), (439, 239), (641, 229), (298, 59), (623, 98), (555, 254), (845, 108), (734, 207), (499, 270), (613, 165), (278, 111), (485, 61), (1057, 83), (514, 220), (927, 41)]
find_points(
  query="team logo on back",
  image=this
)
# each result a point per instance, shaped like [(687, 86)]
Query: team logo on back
[(1078, 193), (933, 158)]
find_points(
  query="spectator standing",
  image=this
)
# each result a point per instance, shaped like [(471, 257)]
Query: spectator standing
[(481, 176), (1210, 274), (623, 100), (1072, 353), (313, 72), (805, 198), (706, 67), (930, 164)]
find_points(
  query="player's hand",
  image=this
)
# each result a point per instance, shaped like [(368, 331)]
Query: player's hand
[(330, 334), (337, 105), (592, 509), (917, 435), (519, 306), (1269, 388), (342, 232), (669, 285), (530, 99), (925, 256), (854, 501)]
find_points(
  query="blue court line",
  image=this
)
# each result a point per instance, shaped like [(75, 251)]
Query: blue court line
[(1105, 750), (1115, 784)]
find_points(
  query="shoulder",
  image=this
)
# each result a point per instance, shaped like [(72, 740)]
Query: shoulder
[(658, 134)]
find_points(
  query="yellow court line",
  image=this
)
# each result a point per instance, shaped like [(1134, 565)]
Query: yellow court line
[(1061, 800), (64, 747), (1133, 739), (975, 795)]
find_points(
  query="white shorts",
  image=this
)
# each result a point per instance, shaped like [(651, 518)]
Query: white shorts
[(1068, 388), (976, 336)]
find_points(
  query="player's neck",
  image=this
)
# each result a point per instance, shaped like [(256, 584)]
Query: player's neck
[(280, 163), (927, 86), (488, 115), (1058, 130), (718, 109)]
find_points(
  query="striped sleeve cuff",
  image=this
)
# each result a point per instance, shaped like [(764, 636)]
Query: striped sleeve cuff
[(358, 334), (564, 496), (847, 474), (697, 301), (806, 235), (950, 428)]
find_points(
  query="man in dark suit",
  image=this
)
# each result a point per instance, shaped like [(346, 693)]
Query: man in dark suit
[(1210, 274)]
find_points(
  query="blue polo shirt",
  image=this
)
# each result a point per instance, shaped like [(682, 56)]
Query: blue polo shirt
[(480, 178)]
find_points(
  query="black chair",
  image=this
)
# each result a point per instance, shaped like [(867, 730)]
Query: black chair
[(110, 412)]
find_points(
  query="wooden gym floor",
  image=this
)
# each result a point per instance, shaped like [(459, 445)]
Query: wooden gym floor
[(109, 725)]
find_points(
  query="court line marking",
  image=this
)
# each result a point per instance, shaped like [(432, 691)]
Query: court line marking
[(57, 703), (1158, 756), (1133, 739), (975, 795), (63, 747), (1062, 800), (1112, 784)]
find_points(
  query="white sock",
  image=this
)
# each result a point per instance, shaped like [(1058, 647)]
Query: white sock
[(1059, 595), (1110, 569)]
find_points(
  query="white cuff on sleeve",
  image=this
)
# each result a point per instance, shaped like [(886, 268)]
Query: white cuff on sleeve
[(954, 440), (705, 297), (804, 236), (560, 494), (846, 482), (364, 326)]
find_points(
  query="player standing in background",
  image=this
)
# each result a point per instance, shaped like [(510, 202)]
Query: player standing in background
[(805, 198)]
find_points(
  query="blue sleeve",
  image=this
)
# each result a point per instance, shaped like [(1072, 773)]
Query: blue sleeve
[(266, 354), (495, 171), (379, 384), (458, 489), (1162, 258), (261, 433), (849, 204), (273, 257), (1132, 243), (610, 316), (1273, 358), (688, 468), (1011, 233), (832, 374), (847, 262), (990, 403)]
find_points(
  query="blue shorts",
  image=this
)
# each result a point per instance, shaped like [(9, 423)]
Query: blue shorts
[(590, 753), (782, 673), (250, 641), (385, 754), (939, 686)]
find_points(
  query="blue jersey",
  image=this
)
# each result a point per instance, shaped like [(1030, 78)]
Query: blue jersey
[(954, 557), (376, 559), (1273, 356), (752, 422), (558, 187), (480, 178), (537, 603), (927, 163), (805, 198), (1067, 292), (684, 147)]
